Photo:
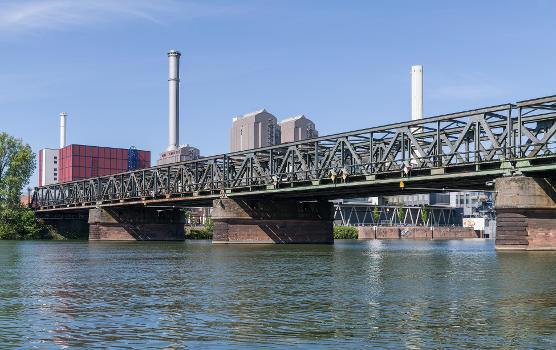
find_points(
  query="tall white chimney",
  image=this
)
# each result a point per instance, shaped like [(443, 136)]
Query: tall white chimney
[(416, 92), (174, 103), (63, 117)]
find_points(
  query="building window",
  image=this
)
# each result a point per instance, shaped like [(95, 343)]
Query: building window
[(55, 157), (55, 162)]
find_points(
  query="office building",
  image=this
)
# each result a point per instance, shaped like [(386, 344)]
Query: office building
[(254, 130), (297, 128)]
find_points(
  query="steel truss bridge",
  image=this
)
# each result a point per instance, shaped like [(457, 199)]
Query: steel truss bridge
[(455, 151), (367, 214)]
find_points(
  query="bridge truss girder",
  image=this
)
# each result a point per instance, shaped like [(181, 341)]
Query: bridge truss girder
[(488, 138)]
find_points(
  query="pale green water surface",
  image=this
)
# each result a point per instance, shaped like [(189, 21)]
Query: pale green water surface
[(350, 295)]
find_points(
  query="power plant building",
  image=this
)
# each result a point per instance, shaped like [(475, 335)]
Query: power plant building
[(48, 166), (77, 162), (297, 128), (181, 154), (254, 130), (174, 152)]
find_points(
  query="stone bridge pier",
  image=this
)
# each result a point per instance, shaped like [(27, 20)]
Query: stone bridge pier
[(136, 224), (525, 213), (272, 221)]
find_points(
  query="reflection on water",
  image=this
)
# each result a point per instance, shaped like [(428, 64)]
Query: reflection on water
[(372, 294)]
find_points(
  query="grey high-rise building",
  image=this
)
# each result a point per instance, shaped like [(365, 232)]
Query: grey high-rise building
[(297, 128), (254, 130)]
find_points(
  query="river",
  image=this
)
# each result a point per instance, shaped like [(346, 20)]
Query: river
[(350, 295)]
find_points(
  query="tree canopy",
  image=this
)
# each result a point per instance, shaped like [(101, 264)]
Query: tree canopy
[(17, 163)]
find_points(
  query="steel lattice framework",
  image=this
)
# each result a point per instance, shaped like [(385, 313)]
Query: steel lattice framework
[(363, 214), (489, 141)]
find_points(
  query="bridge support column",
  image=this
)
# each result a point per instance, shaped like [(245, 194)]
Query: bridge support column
[(136, 224), (272, 221), (525, 213)]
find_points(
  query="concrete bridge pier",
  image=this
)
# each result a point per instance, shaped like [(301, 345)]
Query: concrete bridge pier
[(272, 221), (525, 213), (136, 224)]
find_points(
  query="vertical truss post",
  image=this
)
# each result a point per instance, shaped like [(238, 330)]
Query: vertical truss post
[(212, 174), (371, 153), (438, 145), (316, 156), (122, 188), (509, 135), (271, 163), (342, 154), (477, 140), (519, 126), (99, 193), (168, 180), (225, 179), (195, 174), (250, 177), (403, 146), (143, 188), (293, 165)]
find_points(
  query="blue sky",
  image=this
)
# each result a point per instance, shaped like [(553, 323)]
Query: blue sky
[(344, 64)]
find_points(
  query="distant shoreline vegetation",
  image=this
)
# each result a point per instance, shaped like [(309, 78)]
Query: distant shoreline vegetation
[(345, 232), (205, 232)]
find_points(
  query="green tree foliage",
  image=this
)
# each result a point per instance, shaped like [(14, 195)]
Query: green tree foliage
[(345, 232), (204, 233), (424, 215), (21, 223), (376, 214), (209, 224), (17, 163), (400, 214)]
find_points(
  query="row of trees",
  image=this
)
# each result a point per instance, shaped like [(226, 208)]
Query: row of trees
[(17, 163)]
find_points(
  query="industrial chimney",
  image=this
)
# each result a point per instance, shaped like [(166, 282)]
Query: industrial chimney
[(63, 117), (174, 103), (416, 92)]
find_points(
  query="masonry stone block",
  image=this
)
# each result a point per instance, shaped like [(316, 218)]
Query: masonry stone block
[(525, 213), (272, 221), (136, 224)]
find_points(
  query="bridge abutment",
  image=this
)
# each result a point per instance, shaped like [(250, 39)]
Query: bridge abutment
[(136, 224), (525, 213), (272, 221)]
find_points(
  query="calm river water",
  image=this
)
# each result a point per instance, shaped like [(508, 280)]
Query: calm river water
[(350, 295)]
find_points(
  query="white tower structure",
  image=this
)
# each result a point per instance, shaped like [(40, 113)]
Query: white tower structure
[(416, 92), (63, 117), (174, 103)]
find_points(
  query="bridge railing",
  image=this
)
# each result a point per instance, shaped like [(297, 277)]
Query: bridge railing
[(460, 141)]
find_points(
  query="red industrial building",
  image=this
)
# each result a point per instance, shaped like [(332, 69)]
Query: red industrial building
[(78, 162)]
